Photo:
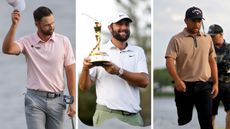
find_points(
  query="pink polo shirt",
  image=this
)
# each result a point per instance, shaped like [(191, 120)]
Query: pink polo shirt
[(46, 61)]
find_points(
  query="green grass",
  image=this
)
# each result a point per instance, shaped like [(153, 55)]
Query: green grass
[(163, 94)]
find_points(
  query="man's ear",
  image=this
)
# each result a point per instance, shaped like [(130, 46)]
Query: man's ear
[(110, 27), (185, 20), (36, 23)]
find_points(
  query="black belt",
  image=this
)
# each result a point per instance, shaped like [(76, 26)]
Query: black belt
[(194, 83), (104, 108), (45, 93)]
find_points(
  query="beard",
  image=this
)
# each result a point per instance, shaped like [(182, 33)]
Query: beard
[(48, 32), (119, 37)]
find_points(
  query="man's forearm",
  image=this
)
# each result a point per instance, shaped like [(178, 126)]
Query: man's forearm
[(71, 79), (9, 39), (214, 71), (84, 81), (136, 79), (171, 69)]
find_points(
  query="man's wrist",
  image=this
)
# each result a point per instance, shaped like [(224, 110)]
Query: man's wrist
[(86, 69), (120, 72)]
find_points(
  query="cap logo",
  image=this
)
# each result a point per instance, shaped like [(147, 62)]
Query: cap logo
[(197, 11), (120, 15)]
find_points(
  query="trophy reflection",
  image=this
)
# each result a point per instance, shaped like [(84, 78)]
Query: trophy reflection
[(97, 57)]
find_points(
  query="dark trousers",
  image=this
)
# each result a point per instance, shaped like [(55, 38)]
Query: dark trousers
[(224, 96), (198, 94)]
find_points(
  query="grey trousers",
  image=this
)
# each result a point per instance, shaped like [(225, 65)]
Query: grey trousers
[(44, 113)]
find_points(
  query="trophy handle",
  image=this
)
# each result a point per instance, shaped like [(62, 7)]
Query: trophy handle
[(97, 29), (96, 56)]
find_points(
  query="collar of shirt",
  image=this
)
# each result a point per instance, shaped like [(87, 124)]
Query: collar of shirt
[(111, 46), (187, 34), (39, 40)]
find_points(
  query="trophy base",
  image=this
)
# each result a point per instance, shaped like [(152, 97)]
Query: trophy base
[(99, 63), (99, 59)]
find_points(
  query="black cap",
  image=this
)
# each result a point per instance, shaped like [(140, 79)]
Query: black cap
[(194, 13), (215, 29)]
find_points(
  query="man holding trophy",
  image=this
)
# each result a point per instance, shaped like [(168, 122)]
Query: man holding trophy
[(119, 70)]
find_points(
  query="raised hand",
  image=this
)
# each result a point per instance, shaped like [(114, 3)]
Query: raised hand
[(15, 15)]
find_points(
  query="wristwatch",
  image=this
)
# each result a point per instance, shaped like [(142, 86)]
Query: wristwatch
[(120, 72)]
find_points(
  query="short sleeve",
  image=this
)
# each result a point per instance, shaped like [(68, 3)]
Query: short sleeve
[(212, 53), (93, 73), (172, 49), (21, 44), (69, 55), (141, 64)]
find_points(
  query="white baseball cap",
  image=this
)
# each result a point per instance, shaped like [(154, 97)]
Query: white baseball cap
[(119, 16), (17, 4)]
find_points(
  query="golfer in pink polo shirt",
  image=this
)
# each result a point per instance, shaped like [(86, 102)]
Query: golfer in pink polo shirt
[(48, 55)]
